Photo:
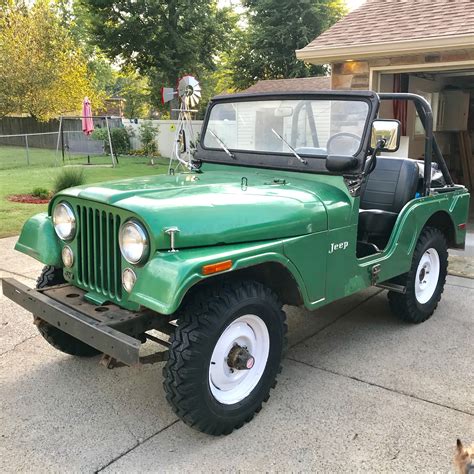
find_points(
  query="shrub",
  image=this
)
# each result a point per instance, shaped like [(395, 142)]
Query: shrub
[(67, 178), (119, 136), (41, 193), (148, 134)]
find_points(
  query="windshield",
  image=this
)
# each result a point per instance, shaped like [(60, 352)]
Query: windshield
[(309, 127)]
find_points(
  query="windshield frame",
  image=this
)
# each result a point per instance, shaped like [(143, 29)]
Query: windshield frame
[(286, 160)]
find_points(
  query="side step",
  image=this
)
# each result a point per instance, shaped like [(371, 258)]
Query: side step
[(386, 285)]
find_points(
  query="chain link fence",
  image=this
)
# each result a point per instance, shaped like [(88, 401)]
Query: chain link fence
[(68, 145)]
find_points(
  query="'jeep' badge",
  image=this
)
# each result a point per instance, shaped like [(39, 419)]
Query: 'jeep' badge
[(339, 246)]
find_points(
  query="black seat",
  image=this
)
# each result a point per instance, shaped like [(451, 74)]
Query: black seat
[(384, 192)]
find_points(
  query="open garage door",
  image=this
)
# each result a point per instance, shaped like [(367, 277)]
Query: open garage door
[(451, 95)]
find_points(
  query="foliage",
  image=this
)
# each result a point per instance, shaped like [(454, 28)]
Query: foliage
[(42, 71), (67, 178), (119, 136), (266, 49), (148, 134), (41, 193), (136, 91), (161, 39)]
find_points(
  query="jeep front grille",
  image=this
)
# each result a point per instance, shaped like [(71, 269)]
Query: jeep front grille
[(99, 259)]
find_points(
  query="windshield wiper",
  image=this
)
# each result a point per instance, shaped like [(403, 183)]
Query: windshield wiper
[(302, 160), (222, 144)]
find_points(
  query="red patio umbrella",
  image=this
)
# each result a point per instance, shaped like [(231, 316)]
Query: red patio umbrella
[(87, 121)]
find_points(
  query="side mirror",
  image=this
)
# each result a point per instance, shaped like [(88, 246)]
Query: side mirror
[(338, 164), (387, 130)]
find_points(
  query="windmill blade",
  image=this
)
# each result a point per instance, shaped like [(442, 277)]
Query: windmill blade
[(167, 94), (189, 91), (193, 101)]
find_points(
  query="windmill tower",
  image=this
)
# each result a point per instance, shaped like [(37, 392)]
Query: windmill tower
[(189, 94)]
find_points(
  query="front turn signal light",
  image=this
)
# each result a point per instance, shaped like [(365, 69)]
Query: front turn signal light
[(217, 267)]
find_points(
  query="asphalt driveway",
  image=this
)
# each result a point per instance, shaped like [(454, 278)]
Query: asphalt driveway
[(360, 391)]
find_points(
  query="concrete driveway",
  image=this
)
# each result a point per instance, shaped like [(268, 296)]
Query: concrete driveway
[(359, 391)]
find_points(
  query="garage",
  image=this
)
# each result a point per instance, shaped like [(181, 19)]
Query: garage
[(393, 47)]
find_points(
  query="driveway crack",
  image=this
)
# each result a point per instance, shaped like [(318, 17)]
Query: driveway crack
[(372, 384), (345, 313), (18, 344), (17, 274), (138, 443)]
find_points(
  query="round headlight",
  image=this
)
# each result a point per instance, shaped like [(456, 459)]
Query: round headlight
[(128, 279), (133, 242), (64, 221), (68, 256)]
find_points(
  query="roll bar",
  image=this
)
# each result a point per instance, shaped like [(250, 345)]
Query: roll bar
[(431, 146)]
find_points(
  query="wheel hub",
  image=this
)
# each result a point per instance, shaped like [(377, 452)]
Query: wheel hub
[(428, 275), (240, 358)]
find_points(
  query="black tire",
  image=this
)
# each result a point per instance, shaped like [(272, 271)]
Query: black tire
[(187, 372), (51, 276), (406, 306)]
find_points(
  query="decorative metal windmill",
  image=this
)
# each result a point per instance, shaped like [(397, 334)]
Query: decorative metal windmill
[(189, 94)]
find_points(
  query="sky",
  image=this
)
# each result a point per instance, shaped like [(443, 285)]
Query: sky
[(351, 4)]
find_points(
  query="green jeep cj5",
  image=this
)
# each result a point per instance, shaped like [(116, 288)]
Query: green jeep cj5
[(291, 199)]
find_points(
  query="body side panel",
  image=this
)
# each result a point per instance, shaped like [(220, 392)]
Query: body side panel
[(347, 274)]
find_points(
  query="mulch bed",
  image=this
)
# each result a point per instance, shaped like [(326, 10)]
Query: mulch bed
[(27, 199)]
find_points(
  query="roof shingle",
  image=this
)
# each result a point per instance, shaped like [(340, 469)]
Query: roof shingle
[(291, 85), (385, 21)]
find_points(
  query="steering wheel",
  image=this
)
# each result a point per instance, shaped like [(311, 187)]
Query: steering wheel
[(345, 152)]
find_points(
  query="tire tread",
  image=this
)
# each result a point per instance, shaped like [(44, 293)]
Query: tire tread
[(195, 321), (405, 306)]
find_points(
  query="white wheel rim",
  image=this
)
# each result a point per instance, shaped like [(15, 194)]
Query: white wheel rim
[(427, 276), (229, 386)]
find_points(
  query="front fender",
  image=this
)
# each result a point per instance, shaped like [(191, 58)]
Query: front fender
[(38, 240), (163, 282)]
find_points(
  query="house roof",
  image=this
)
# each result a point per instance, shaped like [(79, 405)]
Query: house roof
[(381, 27), (301, 84)]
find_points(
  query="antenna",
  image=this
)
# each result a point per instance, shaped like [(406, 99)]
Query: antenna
[(189, 94)]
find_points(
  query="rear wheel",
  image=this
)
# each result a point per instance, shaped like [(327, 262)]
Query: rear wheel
[(425, 280), (51, 276), (225, 356)]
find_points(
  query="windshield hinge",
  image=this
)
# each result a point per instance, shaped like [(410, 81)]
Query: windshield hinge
[(353, 185)]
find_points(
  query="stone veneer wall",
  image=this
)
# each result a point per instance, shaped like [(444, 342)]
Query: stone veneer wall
[(355, 74)]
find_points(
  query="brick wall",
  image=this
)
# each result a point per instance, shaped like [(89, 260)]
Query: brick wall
[(355, 74)]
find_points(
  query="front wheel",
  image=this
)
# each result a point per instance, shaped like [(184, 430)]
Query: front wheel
[(60, 340), (425, 280), (225, 356)]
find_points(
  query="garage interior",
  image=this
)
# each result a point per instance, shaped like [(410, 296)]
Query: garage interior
[(451, 95)]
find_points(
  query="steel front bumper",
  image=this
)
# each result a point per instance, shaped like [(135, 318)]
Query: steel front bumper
[(109, 329)]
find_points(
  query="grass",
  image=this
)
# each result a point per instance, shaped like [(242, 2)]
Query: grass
[(14, 157), (23, 180)]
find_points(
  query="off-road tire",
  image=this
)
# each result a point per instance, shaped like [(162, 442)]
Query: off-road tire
[(51, 276), (200, 325), (406, 306)]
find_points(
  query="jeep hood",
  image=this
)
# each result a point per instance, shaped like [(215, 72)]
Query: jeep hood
[(214, 208)]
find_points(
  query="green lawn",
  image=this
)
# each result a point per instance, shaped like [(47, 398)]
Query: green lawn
[(13, 157), (25, 179)]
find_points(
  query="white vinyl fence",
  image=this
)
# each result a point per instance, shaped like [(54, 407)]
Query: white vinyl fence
[(166, 134)]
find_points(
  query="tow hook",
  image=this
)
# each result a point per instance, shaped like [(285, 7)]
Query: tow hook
[(240, 358)]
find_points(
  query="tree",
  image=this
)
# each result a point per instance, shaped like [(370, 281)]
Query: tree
[(161, 39), (42, 71), (276, 29), (136, 92)]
